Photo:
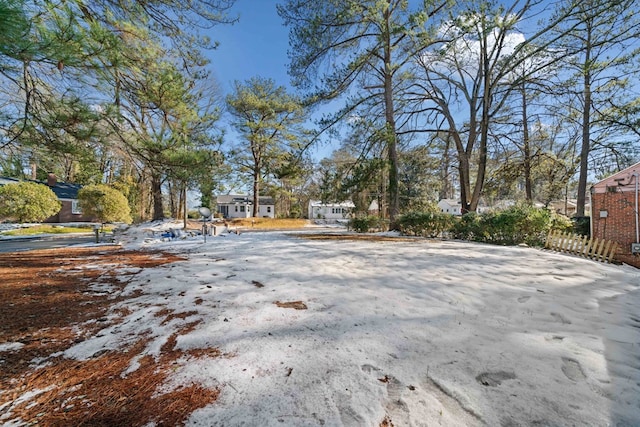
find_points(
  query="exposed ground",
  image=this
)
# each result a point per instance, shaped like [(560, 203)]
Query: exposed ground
[(51, 300), (328, 330)]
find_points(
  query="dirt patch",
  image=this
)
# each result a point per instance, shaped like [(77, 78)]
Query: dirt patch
[(52, 299), (298, 305)]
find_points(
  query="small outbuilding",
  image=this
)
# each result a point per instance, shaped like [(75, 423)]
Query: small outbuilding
[(614, 212)]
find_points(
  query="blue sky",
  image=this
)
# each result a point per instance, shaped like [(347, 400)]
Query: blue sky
[(255, 46)]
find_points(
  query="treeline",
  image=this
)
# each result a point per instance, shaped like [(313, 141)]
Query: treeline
[(111, 92), (471, 100)]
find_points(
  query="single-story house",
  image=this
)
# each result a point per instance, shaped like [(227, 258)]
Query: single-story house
[(614, 212), (67, 195), (241, 206), (330, 211), (454, 207), (568, 207), (450, 206)]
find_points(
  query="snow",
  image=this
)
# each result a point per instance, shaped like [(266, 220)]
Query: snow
[(423, 332), (10, 346)]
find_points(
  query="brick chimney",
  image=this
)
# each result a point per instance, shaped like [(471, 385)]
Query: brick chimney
[(52, 180)]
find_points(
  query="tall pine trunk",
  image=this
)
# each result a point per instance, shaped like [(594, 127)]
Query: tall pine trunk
[(156, 191)]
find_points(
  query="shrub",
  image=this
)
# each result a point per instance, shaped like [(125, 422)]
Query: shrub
[(105, 203), (581, 225), (467, 227), (366, 223), (518, 224), (427, 224), (193, 214), (28, 202)]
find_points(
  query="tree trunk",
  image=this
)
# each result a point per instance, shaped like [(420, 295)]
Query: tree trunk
[(445, 190), (394, 201), (156, 191), (484, 130), (173, 206), (586, 132), (526, 148), (184, 206), (256, 191)]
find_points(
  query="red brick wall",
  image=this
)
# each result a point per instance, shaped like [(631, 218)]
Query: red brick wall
[(65, 215), (620, 223)]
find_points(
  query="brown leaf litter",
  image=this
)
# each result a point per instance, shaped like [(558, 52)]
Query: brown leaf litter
[(47, 305)]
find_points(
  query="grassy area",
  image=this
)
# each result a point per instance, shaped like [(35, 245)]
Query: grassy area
[(47, 229), (268, 223)]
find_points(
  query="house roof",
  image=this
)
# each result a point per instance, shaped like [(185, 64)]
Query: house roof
[(623, 180), (62, 190), (449, 202), (230, 199), (319, 204), (6, 180)]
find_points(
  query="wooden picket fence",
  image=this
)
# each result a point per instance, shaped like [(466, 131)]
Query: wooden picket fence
[(596, 249)]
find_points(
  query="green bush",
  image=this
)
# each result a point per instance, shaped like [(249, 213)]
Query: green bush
[(581, 225), (27, 202), (518, 224), (426, 224), (105, 203), (367, 223), (193, 214), (467, 227)]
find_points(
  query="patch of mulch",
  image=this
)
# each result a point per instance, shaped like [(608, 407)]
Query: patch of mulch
[(49, 302), (386, 422), (298, 305)]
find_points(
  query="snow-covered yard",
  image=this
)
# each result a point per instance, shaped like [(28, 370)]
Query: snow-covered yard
[(386, 332)]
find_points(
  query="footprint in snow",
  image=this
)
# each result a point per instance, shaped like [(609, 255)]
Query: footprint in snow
[(572, 369), (560, 318), (494, 379)]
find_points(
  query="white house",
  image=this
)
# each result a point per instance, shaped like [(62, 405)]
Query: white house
[(241, 206), (454, 207), (330, 211), (450, 206)]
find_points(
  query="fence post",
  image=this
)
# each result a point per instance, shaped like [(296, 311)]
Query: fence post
[(614, 250)]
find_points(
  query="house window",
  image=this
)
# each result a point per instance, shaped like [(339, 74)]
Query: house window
[(242, 208), (75, 208), (236, 208), (268, 209)]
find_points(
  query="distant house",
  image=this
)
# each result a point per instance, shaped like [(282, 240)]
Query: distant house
[(450, 206), (374, 208), (454, 207), (568, 207), (499, 205), (330, 211), (67, 195), (614, 212), (241, 206)]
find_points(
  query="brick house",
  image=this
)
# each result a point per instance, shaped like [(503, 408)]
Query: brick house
[(67, 194), (614, 212)]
